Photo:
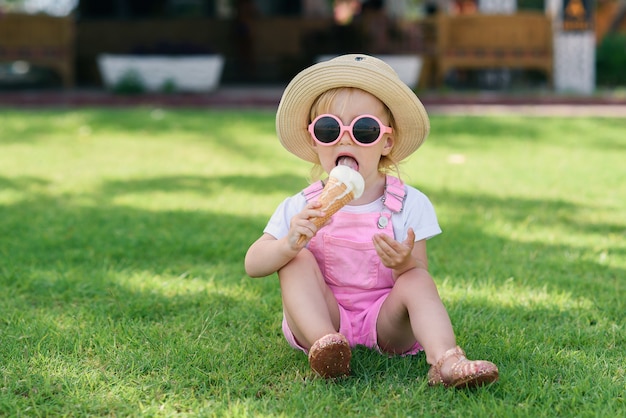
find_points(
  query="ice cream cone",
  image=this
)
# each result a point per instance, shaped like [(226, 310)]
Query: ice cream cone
[(343, 186), (334, 196)]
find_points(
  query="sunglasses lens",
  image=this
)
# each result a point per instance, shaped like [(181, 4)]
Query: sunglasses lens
[(326, 130), (366, 130)]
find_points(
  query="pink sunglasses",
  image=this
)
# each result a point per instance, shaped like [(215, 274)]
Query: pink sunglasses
[(365, 130)]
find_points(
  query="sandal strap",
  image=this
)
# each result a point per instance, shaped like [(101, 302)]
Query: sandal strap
[(463, 373), (434, 374), (456, 351)]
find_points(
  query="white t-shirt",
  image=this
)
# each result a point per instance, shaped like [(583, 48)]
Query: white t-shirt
[(418, 213)]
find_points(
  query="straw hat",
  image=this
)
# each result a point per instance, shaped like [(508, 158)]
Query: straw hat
[(355, 70)]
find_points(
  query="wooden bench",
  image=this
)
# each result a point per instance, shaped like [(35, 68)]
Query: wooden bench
[(40, 40), (480, 41)]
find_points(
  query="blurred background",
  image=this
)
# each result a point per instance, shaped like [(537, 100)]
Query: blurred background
[(563, 45)]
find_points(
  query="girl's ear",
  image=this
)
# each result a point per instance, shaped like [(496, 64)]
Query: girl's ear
[(388, 145)]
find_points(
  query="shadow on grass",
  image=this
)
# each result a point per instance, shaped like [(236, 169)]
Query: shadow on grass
[(466, 246), (491, 130), (286, 184), (22, 183), (222, 128), (42, 231), (68, 268)]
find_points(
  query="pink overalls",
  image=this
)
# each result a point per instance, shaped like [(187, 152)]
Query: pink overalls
[(352, 268)]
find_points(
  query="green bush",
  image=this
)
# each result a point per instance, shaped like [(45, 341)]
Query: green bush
[(169, 86), (130, 83), (611, 60)]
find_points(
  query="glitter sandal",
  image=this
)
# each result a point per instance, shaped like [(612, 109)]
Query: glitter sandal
[(463, 373), (330, 356)]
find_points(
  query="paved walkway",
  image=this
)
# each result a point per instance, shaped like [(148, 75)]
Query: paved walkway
[(268, 97)]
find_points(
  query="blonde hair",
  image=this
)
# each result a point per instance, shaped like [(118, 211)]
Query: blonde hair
[(322, 105)]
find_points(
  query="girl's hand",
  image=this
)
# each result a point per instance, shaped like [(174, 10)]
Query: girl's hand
[(396, 255), (301, 225)]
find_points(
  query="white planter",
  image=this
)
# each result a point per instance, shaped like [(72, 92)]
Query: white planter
[(197, 73), (408, 67)]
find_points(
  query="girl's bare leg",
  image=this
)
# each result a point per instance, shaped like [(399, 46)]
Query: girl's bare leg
[(413, 311), (310, 308)]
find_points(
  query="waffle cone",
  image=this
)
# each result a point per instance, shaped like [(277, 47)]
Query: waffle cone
[(333, 198)]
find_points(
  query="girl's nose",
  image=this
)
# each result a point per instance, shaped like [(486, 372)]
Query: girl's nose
[(346, 139)]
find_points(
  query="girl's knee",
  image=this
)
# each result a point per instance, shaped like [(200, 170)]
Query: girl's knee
[(303, 264), (303, 259), (415, 281), (305, 256)]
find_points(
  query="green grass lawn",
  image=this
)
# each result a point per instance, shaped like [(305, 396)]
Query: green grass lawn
[(123, 292)]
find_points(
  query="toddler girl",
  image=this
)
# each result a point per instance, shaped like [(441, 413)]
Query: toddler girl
[(362, 278)]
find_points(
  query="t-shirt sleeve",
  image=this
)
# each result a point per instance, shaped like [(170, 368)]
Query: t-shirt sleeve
[(419, 214), (278, 225)]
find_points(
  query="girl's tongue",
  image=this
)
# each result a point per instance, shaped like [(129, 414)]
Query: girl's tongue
[(348, 161)]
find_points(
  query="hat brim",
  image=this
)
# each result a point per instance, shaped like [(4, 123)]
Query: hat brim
[(359, 71)]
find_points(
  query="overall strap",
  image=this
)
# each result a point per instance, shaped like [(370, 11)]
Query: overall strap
[(313, 191), (394, 194)]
